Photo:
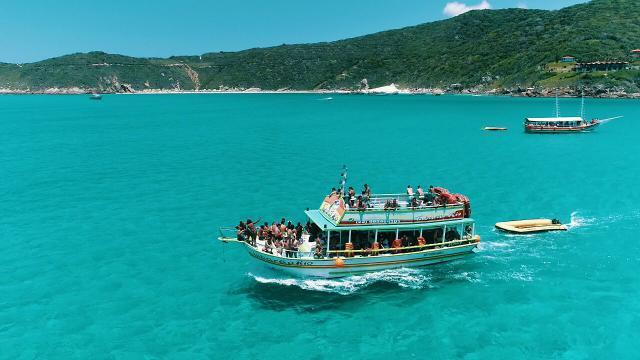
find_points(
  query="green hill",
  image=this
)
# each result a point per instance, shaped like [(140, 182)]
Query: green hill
[(493, 48)]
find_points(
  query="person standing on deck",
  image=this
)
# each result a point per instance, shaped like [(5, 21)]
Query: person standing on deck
[(409, 190)]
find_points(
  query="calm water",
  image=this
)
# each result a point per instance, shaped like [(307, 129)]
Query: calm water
[(110, 210)]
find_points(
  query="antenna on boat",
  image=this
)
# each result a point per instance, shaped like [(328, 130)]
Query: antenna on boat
[(343, 178)]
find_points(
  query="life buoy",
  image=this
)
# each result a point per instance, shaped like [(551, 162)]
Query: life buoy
[(339, 262)]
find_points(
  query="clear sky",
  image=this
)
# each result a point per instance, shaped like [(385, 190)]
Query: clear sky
[(33, 30)]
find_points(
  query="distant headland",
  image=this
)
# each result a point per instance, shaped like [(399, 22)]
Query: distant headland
[(591, 48)]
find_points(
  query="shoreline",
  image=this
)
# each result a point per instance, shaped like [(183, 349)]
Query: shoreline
[(544, 93)]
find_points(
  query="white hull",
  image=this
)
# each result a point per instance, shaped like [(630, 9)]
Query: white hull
[(356, 265)]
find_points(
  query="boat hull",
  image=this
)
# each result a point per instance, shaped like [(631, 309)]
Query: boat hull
[(560, 130), (327, 268)]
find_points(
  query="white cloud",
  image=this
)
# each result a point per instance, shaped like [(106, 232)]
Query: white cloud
[(522, 5), (456, 8)]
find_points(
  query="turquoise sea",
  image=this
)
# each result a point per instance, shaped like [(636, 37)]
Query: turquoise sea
[(110, 209)]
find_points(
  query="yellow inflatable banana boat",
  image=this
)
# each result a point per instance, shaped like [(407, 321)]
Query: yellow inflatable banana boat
[(531, 226)]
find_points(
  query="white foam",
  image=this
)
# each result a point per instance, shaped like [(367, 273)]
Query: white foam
[(579, 221), (407, 278)]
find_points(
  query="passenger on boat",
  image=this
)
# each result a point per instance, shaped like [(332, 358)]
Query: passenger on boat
[(367, 190), (251, 233), (414, 202), (318, 253), (420, 193), (240, 231), (421, 241), (397, 244), (299, 230), (352, 197), (409, 190), (268, 246), (375, 247), (429, 197)]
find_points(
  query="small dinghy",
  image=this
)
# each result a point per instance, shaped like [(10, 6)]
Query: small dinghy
[(494, 128), (530, 226)]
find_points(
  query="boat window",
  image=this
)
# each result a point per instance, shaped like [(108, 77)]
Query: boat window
[(385, 238), (335, 241), (362, 239), (409, 237), (432, 236)]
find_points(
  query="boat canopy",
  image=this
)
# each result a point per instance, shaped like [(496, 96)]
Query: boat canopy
[(319, 219), (555, 119)]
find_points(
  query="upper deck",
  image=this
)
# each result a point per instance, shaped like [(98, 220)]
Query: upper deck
[(389, 209)]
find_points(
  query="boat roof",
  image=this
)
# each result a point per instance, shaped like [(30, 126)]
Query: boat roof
[(319, 219), (556, 119)]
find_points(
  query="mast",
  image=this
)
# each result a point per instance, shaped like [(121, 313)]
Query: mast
[(582, 105), (557, 105)]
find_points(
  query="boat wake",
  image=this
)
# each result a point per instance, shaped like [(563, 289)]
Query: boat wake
[(325, 99), (578, 221), (406, 278)]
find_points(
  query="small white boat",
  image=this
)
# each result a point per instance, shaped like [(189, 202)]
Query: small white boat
[(531, 226), (346, 240), (95, 97), (494, 128)]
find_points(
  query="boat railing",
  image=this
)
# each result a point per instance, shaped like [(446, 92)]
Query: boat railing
[(378, 201), (465, 239), (228, 233)]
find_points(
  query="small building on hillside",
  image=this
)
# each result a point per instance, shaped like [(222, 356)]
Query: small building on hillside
[(635, 54), (568, 59), (602, 66)]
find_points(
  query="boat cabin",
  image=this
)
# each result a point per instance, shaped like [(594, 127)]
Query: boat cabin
[(391, 217), (555, 121)]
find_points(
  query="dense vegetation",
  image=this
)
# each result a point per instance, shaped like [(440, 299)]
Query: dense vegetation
[(492, 48)]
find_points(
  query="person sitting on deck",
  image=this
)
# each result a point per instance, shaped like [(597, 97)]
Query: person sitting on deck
[(420, 193), (409, 190), (318, 253), (352, 197), (375, 247), (361, 204), (240, 231), (367, 190), (414, 203), (421, 242), (268, 246), (397, 244), (429, 196)]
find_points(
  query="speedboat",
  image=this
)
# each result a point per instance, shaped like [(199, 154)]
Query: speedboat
[(531, 226)]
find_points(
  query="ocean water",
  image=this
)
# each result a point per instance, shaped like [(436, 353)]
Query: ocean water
[(110, 211)]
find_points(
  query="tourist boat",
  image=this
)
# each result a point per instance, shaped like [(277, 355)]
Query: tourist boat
[(530, 226), (494, 128), (559, 125), (362, 240)]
